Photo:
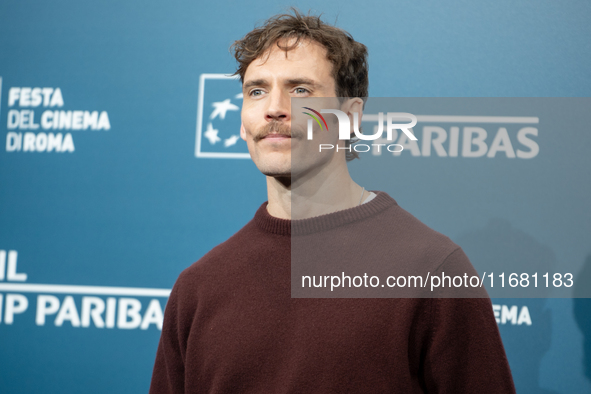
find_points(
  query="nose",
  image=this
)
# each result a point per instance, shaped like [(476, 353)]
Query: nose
[(279, 106)]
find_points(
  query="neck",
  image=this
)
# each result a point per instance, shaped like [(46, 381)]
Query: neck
[(314, 193)]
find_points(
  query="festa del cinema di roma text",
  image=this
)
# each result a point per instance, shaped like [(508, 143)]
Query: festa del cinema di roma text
[(22, 102)]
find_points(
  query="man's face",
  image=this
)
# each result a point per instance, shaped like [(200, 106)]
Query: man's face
[(267, 124)]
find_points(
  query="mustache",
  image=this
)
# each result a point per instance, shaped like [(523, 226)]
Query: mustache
[(275, 127)]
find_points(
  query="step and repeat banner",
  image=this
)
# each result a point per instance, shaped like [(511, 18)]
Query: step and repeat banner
[(121, 164)]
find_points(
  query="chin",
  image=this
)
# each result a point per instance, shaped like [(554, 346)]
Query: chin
[(274, 169), (277, 174)]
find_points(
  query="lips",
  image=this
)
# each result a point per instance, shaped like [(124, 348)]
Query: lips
[(276, 136)]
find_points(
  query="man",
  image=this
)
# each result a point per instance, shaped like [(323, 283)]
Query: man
[(231, 325)]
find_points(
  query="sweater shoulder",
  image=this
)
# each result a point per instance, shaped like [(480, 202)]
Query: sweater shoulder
[(245, 238), (415, 240), (413, 227)]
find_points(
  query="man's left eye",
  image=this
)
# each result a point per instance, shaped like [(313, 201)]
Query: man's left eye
[(301, 90)]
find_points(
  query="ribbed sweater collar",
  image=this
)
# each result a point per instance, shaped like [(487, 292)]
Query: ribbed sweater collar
[(274, 225)]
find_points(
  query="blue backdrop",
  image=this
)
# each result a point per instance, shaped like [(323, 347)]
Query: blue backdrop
[(105, 196)]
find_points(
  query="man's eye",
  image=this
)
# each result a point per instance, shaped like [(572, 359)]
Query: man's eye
[(256, 92), (301, 90)]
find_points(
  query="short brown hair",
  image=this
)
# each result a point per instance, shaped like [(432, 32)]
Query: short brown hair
[(349, 57)]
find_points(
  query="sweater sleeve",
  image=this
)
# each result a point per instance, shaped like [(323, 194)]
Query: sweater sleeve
[(465, 353), (169, 367)]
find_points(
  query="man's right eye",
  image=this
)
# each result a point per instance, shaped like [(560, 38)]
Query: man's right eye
[(255, 92)]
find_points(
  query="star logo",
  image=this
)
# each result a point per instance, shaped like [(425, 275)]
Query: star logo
[(221, 108), (211, 134), (218, 118)]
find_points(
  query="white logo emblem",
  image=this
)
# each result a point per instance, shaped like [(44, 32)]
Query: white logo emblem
[(218, 118)]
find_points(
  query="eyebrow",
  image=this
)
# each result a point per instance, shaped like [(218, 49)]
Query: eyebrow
[(254, 82), (290, 82), (302, 81)]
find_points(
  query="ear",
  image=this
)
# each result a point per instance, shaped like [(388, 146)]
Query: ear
[(242, 131), (349, 107)]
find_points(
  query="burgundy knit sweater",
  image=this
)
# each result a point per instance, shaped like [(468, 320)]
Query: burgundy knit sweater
[(231, 326)]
